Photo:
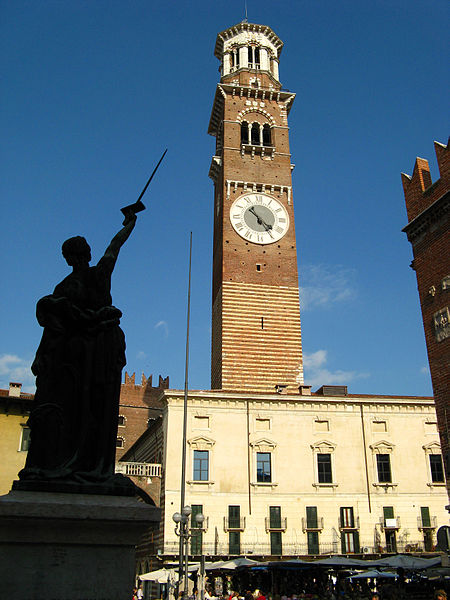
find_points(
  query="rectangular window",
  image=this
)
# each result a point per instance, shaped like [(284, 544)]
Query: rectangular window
[(311, 517), (347, 518), (384, 468), (437, 468), (263, 467), (324, 468), (350, 542), (234, 517), (201, 422), (425, 516), (379, 426), (275, 517), (262, 424), (201, 465), (234, 542), (25, 440), (121, 422), (321, 425), (196, 533), (276, 547), (388, 512), (313, 542)]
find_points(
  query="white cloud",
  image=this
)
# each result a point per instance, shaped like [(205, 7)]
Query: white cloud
[(14, 368), (324, 285), (141, 355), (425, 370), (164, 326), (317, 374)]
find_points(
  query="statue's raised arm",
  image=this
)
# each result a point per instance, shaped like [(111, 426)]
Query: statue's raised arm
[(112, 251)]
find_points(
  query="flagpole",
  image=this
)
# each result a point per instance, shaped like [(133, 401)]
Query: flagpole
[(185, 532)]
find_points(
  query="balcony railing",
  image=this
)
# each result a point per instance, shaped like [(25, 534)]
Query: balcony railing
[(222, 547), (393, 523), (317, 526), (234, 524), (138, 469), (430, 523), (276, 525), (348, 524), (257, 149), (197, 527)]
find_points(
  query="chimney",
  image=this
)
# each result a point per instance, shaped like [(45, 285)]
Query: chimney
[(14, 389)]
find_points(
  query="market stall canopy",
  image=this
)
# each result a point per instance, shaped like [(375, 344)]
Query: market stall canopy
[(160, 576), (231, 564), (406, 562), (342, 562), (374, 573)]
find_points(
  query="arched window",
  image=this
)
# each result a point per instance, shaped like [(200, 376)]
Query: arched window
[(244, 132), (253, 57), (120, 442), (255, 135), (267, 135)]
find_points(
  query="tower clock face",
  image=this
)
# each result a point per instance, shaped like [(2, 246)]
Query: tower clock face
[(259, 218)]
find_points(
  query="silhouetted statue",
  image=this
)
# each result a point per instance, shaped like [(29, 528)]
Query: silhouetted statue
[(78, 369)]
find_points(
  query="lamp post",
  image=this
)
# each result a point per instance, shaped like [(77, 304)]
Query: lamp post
[(182, 530)]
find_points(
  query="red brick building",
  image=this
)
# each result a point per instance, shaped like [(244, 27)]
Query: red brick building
[(139, 407), (427, 205)]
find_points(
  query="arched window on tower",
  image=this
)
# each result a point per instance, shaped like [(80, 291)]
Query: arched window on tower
[(267, 135), (255, 137), (244, 132), (257, 63), (253, 57), (235, 58)]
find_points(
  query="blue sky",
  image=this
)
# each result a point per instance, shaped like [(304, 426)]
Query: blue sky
[(94, 91)]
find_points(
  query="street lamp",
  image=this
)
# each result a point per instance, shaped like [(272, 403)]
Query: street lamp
[(182, 530)]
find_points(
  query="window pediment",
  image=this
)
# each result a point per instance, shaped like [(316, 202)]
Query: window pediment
[(201, 443), (432, 448), (324, 446), (263, 445), (382, 447)]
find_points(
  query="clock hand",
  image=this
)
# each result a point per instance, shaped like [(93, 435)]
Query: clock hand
[(266, 226)]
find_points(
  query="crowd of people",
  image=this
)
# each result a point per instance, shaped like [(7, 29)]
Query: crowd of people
[(347, 590)]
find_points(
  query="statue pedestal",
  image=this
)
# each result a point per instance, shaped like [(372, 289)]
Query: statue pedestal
[(59, 546)]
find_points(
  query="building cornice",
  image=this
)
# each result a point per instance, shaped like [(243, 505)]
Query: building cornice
[(289, 400), (434, 213)]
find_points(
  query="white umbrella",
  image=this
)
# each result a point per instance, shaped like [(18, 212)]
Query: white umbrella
[(230, 564), (160, 576)]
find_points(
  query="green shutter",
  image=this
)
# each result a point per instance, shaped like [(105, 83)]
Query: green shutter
[(388, 512), (275, 517), (311, 517), (425, 514), (356, 541)]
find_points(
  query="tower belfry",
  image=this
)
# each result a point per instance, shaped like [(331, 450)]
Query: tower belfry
[(256, 336)]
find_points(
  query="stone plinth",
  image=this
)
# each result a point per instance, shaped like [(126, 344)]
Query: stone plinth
[(57, 546)]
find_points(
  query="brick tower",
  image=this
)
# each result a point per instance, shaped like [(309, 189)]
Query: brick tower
[(256, 337), (428, 230)]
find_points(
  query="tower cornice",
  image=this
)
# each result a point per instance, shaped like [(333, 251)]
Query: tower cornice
[(244, 92), (250, 27)]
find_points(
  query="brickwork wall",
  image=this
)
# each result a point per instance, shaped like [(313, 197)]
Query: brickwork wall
[(261, 344), (429, 233), (139, 404), (255, 287)]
